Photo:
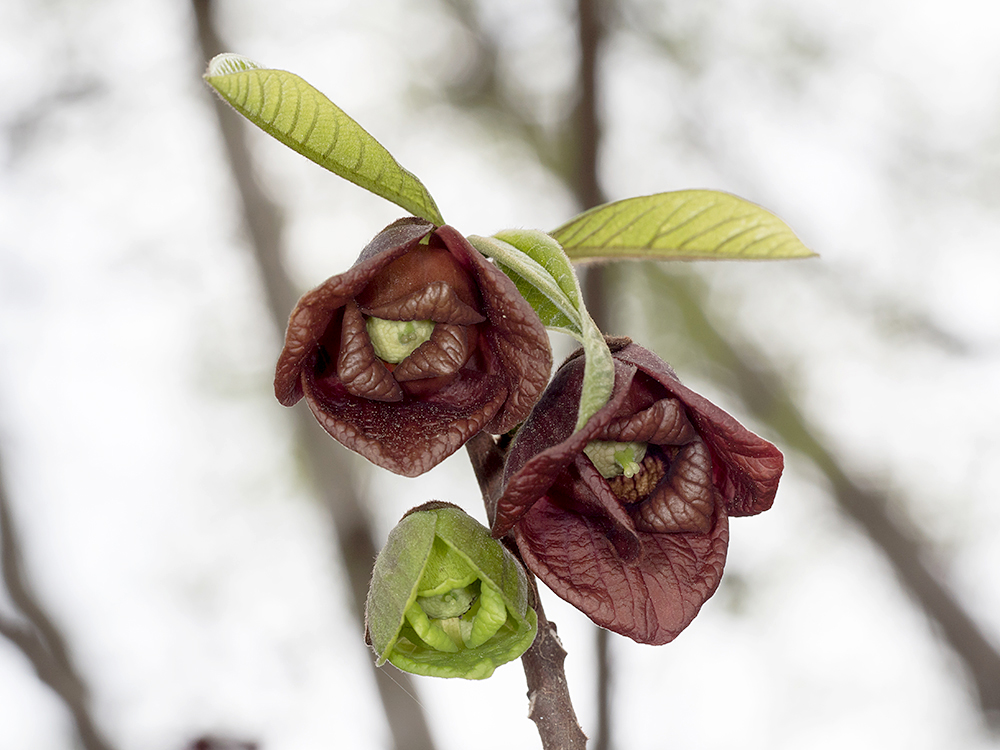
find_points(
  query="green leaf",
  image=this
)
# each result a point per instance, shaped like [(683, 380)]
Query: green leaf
[(291, 110), (683, 225), (554, 306), (544, 275)]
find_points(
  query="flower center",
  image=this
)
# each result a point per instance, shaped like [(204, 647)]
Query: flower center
[(395, 340), (616, 459), (461, 618), (455, 603)]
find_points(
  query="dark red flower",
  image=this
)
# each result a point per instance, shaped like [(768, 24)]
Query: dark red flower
[(638, 552), (420, 345)]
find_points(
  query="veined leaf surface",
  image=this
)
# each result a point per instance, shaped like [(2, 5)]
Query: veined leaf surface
[(290, 109), (682, 225)]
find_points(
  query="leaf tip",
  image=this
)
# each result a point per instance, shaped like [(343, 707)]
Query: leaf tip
[(228, 63)]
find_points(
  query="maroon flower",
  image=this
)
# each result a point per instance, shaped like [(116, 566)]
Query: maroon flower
[(627, 519), (420, 345)]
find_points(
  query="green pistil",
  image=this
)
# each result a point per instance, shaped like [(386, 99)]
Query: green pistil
[(395, 340), (616, 459)]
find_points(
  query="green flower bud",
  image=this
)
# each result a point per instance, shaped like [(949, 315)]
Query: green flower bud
[(446, 599), (395, 340), (615, 459)]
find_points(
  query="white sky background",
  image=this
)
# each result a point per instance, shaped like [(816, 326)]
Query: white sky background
[(163, 518)]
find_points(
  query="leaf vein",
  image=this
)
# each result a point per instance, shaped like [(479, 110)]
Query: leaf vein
[(677, 227)]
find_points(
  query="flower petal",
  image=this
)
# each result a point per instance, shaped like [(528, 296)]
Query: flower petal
[(514, 334), (443, 353), (315, 310), (437, 301), (408, 437), (362, 373), (546, 443), (651, 598), (663, 423), (685, 499)]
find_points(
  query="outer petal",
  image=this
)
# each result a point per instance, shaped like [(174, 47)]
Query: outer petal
[(407, 438), (650, 598)]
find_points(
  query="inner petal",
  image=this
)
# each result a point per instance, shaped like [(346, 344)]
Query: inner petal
[(422, 266), (437, 301), (685, 499), (447, 348), (362, 373), (664, 423)]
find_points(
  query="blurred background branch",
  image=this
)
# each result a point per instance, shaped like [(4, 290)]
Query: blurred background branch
[(33, 631), (327, 463)]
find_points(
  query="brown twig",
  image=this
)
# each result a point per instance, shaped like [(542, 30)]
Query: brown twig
[(38, 638), (549, 702), (327, 464)]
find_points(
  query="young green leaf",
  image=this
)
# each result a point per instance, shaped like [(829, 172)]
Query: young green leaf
[(683, 225), (291, 110), (544, 275)]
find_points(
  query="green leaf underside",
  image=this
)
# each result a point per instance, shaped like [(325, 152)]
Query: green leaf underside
[(682, 225), (535, 283), (544, 275), (291, 110)]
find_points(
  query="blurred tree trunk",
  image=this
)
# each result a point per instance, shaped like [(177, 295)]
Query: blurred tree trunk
[(327, 463), (587, 189)]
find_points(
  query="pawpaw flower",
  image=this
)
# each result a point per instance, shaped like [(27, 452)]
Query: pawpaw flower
[(446, 599), (420, 345), (627, 519)]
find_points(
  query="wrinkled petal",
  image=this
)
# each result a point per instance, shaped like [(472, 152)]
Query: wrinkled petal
[(362, 373), (315, 310), (437, 301), (663, 423), (651, 598), (407, 438), (546, 443), (685, 499), (429, 264), (700, 466), (619, 527), (515, 334), (443, 353)]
